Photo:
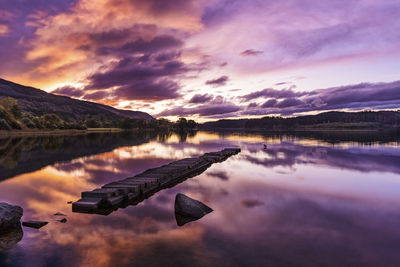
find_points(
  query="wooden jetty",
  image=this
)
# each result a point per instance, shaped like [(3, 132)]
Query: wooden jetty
[(139, 187)]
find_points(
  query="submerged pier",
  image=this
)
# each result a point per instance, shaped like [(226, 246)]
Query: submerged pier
[(135, 189)]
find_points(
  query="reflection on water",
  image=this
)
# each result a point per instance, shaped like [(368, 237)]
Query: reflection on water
[(307, 200)]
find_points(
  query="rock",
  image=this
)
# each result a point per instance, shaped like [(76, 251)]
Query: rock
[(59, 214), (188, 207), (10, 237), (64, 220), (10, 215), (34, 224), (69, 202)]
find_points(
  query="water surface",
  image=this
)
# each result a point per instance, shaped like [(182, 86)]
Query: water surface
[(306, 200)]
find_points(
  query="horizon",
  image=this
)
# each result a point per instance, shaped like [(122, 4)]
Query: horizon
[(207, 60)]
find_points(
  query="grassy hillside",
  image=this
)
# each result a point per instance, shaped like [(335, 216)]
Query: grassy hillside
[(24, 107)]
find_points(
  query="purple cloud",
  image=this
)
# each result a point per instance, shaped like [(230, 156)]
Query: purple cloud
[(354, 97), (269, 103), (219, 81), (68, 91), (159, 43), (251, 53), (273, 93), (203, 110), (96, 95), (198, 98), (159, 89)]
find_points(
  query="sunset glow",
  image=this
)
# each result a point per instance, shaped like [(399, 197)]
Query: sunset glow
[(207, 59)]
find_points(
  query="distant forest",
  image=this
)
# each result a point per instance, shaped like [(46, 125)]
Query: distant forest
[(13, 117), (333, 120)]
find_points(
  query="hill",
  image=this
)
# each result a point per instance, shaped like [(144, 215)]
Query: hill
[(332, 120), (39, 102), (22, 106)]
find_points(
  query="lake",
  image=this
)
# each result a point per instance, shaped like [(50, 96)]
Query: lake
[(308, 199)]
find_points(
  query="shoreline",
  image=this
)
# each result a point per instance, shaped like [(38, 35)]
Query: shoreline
[(17, 133)]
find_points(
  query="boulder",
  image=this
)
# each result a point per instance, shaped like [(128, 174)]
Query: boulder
[(10, 215), (10, 237), (188, 207)]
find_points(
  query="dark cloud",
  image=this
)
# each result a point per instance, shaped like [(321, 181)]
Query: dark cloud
[(68, 91), (252, 105), (149, 90), (199, 99), (251, 203), (203, 110), (269, 103), (251, 52), (167, 56), (158, 43), (282, 83), (140, 78), (98, 95), (273, 93), (289, 102), (354, 97), (219, 81)]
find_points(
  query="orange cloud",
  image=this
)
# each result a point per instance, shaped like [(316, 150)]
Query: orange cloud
[(4, 29), (65, 44)]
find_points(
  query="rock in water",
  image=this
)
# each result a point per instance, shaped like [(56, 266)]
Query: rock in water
[(188, 207), (10, 237), (10, 215), (34, 224)]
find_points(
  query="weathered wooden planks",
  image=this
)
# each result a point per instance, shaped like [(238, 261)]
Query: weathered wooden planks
[(136, 188)]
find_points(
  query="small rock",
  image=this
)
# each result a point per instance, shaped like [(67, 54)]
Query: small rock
[(69, 202), (59, 214), (188, 207), (10, 215), (34, 224), (64, 220)]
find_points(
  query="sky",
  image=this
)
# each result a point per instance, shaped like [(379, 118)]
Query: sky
[(207, 59)]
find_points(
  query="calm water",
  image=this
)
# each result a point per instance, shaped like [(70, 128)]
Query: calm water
[(304, 201)]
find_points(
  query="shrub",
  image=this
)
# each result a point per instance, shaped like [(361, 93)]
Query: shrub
[(4, 125)]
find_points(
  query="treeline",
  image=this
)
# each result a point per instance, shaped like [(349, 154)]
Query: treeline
[(327, 120), (12, 117)]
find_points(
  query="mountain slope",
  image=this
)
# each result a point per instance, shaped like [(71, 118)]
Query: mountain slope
[(38, 102)]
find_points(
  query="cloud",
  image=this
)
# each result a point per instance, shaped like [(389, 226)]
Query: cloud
[(269, 103), (96, 95), (134, 79), (353, 97), (251, 52), (219, 81), (65, 41), (252, 105), (158, 43), (273, 93), (197, 99), (251, 203), (4, 29), (68, 91), (149, 90), (203, 110)]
